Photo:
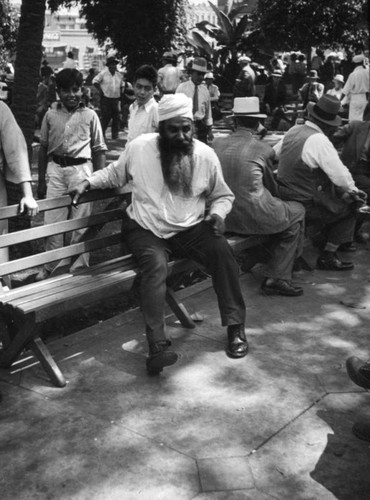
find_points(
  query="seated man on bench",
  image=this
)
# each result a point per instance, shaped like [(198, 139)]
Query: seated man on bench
[(247, 167), (174, 178)]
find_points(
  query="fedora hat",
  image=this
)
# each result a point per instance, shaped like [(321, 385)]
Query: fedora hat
[(325, 110), (169, 56), (247, 106), (244, 59), (339, 78), (277, 72), (313, 74), (199, 64)]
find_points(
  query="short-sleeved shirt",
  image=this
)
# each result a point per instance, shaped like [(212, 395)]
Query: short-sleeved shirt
[(110, 85), (77, 133)]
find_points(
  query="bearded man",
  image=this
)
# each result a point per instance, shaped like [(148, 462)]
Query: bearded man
[(174, 177)]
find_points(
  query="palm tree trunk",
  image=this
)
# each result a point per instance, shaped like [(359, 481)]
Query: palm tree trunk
[(27, 66), (26, 80)]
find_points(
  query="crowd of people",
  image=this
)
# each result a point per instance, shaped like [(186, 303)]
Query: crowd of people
[(189, 189)]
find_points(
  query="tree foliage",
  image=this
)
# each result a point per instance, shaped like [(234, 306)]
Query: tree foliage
[(301, 24), (139, 29), (230, 36), (8, 31)]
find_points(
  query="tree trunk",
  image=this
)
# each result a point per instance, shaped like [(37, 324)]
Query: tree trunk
[(27, 66)]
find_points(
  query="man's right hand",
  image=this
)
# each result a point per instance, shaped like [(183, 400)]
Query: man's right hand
[(78, 190)]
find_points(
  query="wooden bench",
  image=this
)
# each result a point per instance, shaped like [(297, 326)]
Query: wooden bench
[(25, 306)]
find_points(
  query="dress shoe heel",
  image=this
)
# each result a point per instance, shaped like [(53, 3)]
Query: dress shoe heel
[(237, 346)]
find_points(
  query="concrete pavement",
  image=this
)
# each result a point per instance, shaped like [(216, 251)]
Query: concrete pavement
[(274, 425)]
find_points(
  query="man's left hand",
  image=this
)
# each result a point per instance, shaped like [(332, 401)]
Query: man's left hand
[(217, 223)]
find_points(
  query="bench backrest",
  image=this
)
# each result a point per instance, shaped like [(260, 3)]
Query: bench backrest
[(113, 211)]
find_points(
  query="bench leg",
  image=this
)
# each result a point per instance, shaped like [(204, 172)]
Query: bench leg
[(47, 362), (21, 337), (179, 309)]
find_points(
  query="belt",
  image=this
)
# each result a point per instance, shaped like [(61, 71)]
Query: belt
[(68, 161)]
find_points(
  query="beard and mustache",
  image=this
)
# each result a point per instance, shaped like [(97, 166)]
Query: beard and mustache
[(177, 164)]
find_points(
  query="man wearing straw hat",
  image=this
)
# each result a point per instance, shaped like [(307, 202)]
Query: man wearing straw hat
[(247, 166), (174, 179)]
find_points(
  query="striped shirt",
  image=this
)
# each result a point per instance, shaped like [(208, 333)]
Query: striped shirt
[(77, 133)]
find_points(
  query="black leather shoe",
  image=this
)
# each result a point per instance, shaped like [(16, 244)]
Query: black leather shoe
[(237, 346), (358, 371), (362, 430), (280, 287), (332, 263), (159, 357), (348, 247)]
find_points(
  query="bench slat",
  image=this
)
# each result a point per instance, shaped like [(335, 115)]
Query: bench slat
[(65, 201), (7, 240), (59, 254), (69, 282)]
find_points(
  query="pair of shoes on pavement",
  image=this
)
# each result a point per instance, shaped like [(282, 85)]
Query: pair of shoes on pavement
[(330, 261), (272, 286)]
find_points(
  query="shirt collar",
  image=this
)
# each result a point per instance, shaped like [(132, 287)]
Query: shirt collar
[(313, 125), (63, 108), (147, 106)]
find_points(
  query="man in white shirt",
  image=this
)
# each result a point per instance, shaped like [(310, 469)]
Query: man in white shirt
[(143, 112), (169, 76), (175, 179), (198, 92), (109, 83), (356, 89), (311, 172)]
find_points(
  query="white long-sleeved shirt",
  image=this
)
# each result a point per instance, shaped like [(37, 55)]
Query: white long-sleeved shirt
[(319, 152), (142, 119), (153, 205), (357, 82)]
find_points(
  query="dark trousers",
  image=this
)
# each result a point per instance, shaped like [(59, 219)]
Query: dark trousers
[(201, 131), (284, 248), (110, 111), (197, 243), (337, 228)]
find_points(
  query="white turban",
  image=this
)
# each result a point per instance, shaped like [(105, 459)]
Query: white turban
[(172, 105)]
